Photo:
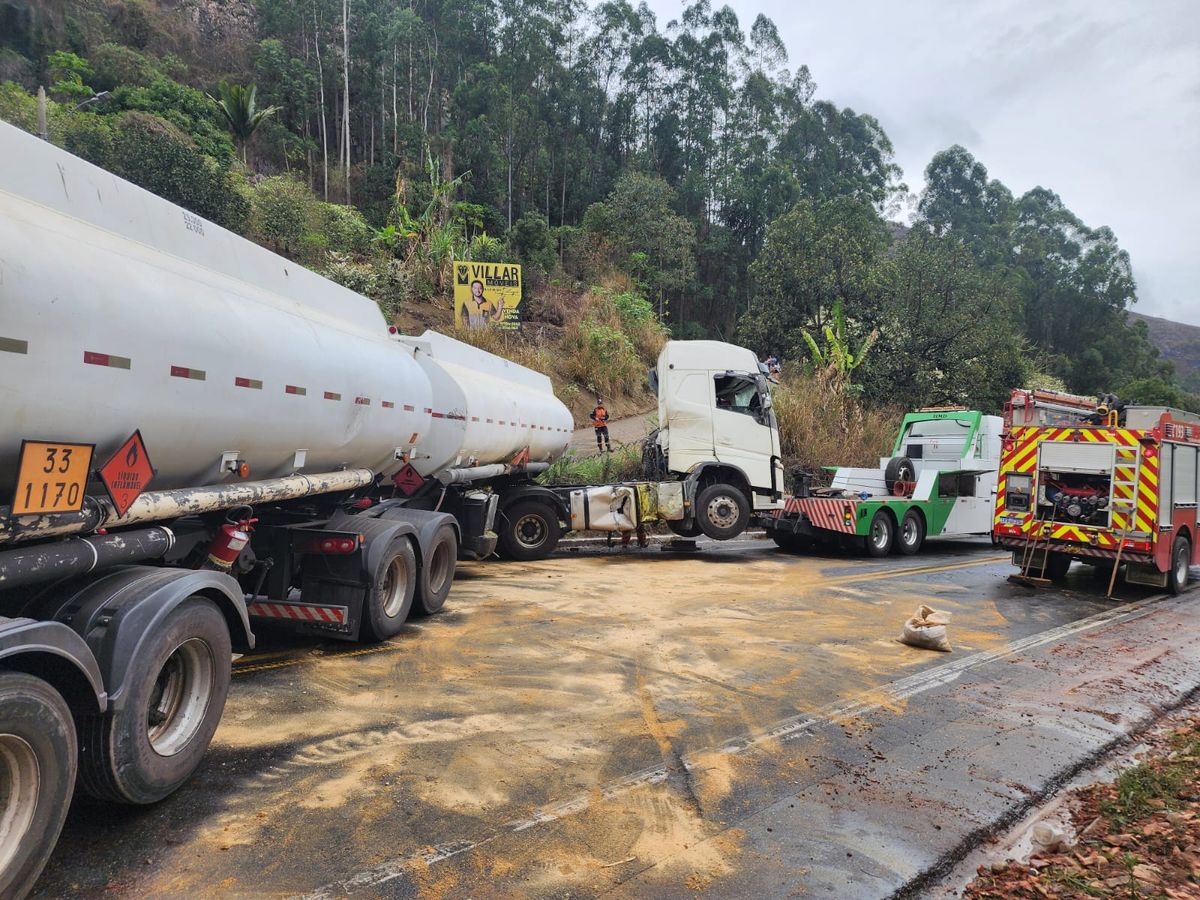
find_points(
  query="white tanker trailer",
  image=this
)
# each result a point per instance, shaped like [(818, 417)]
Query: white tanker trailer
[(196, 432), (189, 422)]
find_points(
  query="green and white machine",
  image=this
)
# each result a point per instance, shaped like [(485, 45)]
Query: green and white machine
[(940, 480)]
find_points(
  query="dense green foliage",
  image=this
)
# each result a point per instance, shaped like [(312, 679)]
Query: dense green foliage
[(378, 141)]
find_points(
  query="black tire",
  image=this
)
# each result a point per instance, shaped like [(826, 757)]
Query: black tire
[(176, 686), (437, 572), (911, 534), (530, 530), (393, 586), (1181, 559), (1057, 566), (685, 531), (880, 535), (899, 468), (37, 770), (789, 542), (722, 511)]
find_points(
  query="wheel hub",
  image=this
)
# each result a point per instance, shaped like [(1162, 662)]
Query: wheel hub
[(530, 531), (395, 582), (180, 697), (19, 786), (439, 568), (878, 534), (722, 512)]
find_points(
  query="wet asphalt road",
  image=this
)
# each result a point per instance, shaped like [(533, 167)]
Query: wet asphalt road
[(738, 721)]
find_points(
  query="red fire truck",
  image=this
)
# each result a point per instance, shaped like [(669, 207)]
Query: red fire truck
[(1101, 483)]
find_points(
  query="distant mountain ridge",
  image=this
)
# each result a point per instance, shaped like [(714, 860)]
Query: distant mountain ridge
[(1178, 342)]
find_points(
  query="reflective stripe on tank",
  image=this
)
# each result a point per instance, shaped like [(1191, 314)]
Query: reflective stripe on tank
[(92, 358), (13, 345)]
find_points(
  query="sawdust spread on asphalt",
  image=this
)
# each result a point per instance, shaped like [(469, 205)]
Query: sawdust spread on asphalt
[(535, 694)]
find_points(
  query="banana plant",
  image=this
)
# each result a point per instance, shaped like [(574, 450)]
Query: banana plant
[(837, 358)]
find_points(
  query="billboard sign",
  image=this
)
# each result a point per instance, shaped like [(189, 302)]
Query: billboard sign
[(487, 295)]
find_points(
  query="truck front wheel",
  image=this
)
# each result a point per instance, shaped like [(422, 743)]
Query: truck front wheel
[(37, 775), (175, 687), (531, 530), (722, 511), (1181, 559)]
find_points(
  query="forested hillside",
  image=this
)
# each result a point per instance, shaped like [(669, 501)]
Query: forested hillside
[(1179, 343), (693, 162)]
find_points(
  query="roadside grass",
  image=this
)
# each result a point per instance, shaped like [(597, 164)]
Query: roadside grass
[(1074, 880), (1153, 785), (623, 464)]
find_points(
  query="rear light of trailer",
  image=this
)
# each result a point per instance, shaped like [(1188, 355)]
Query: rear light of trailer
[(331, 545)]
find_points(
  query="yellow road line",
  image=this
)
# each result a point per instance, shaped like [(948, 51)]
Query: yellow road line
[(915, 570), (385, 647)]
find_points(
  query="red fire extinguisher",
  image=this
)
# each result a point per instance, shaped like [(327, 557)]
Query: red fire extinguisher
[(227, 545)]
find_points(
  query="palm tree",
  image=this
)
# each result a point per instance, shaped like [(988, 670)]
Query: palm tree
[(237, 105)]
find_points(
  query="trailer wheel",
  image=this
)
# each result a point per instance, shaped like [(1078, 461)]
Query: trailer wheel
[(393, 585), (177, 684), (684, 531), (437, 574), (912, 533), (722, 511), (1181, 559), (880, 536), (531, 530), (37, 775)]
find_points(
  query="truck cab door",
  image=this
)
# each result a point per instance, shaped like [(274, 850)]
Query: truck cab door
[(744, 430), (685, 407)]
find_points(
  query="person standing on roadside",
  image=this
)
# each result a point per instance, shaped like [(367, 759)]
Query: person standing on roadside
[(600, 423)]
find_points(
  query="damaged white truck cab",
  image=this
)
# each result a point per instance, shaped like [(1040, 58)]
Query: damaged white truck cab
[(717, 424), (713, 461)]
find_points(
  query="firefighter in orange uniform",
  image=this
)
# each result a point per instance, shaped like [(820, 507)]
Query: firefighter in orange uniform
[(600, 423)]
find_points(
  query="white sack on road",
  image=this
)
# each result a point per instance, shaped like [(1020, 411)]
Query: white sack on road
[(927, 630)]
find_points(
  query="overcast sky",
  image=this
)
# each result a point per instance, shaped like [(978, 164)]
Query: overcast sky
[(1098, 100)]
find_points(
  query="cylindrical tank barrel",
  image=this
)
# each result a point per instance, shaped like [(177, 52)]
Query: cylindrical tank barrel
[(120, 311), (492, 410)]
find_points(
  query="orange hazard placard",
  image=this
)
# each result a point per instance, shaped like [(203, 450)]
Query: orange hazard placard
[(52, 477), (127, 473)]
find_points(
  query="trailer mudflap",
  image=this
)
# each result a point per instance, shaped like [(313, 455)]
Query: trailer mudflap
[(324, 618)]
